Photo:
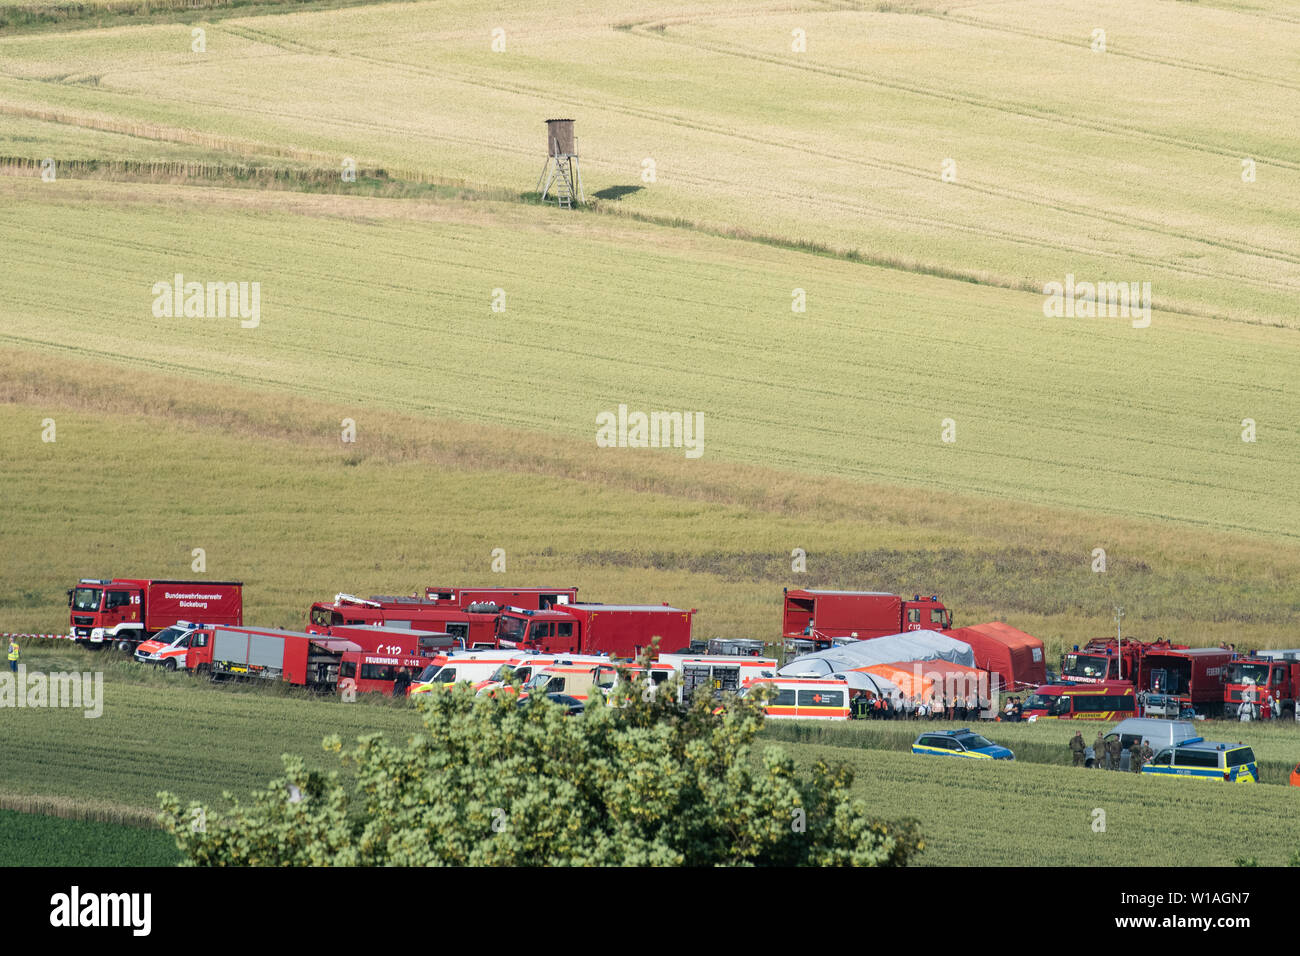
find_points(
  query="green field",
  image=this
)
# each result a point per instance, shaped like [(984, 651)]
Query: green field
[(918, 170), (28, 839), (201, 740)]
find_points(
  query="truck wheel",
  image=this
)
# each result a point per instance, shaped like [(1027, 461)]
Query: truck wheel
[(170, 664)]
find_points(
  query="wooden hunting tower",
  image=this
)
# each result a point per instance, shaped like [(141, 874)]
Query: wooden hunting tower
[(561, 175)]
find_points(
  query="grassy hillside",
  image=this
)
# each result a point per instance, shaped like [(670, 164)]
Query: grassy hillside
[(387, 303), (1125, 167), (145, 470), (913, 172)]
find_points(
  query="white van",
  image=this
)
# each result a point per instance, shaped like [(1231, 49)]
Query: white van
[(1134, 730)]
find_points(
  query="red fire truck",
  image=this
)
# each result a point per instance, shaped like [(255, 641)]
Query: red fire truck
[(309, 660), (823, 615), (1107, 700), (1271, 675), (1177, 680), (128, 611), (620, 630), (1101, 660), (374, 672)]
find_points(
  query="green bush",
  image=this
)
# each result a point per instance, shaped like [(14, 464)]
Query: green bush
[(491, 782)]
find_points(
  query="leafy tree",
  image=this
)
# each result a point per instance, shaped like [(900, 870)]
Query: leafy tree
[(492, 781)]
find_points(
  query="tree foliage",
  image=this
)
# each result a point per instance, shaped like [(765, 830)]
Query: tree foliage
[(491, 782)]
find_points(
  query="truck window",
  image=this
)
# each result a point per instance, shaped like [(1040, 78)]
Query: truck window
[(564, 629), (540, 631), (117, 599), (510, 628), (1062, 705), (784, 698), (323, 616), (1162, 758), (913, 615), (86, 599), (348, 669)]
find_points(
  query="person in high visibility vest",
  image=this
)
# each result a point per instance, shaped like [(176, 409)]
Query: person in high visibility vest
[(13, 655)]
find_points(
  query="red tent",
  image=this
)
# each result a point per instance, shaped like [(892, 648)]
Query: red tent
[(1016, 657)]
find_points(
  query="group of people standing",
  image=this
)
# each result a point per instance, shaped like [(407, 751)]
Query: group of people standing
[(936, 707), (1107, 753)]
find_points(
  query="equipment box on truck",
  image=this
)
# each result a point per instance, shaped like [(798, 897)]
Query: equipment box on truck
[(128, 611), (532, 599), (472, 627), (823, 615), (621, 630), (1191, 679), (308, 660)]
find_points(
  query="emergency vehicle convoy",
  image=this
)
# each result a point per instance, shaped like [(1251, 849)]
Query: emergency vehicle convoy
[(546, 640), (125, 612)]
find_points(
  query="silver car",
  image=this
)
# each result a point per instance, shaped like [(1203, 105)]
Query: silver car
[(1134, 730)]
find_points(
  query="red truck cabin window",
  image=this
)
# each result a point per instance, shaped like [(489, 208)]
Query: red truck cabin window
[(117, 599)]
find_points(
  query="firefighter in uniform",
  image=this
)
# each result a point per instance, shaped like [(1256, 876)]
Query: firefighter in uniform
[(1077, 747), (13, 655), (1099, 752)]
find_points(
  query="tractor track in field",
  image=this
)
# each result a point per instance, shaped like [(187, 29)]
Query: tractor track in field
[(1077, 44), (647, 29), (856, 207), (1266, 253)]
